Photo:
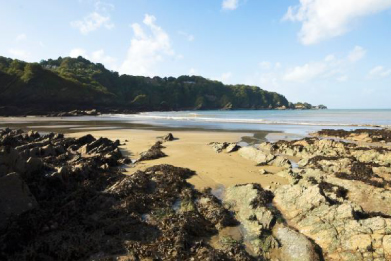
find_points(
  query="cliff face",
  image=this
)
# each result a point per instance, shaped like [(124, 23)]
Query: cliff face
[(76, 83)]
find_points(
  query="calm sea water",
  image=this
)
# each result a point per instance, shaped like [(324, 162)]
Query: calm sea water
[(295, 121)]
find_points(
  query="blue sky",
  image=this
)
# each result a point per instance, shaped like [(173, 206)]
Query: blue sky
[(319, 51)]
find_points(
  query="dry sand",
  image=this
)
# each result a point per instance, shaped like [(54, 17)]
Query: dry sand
[(191, 150)]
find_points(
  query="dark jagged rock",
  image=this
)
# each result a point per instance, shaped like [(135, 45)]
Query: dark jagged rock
[(89, 210), (168, 137), (155, 152), (15, 198), (219, 146), (369, 135)]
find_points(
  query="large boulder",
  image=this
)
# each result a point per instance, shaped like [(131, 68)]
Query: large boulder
[(342, 229), (258, 156), (295, 246), (11, 161), (15, 197), (250, 201)]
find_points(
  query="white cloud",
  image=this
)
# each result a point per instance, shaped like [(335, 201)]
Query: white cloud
[(357, 54), (101, 57), (342, 78), (266, 80), (325, 19), (189, 37), (21, 37), (93, 22), (19, 53), (305, 72), (230, 4), (74, 53), (329, 67), (103, 6), (265, 65), (148, 47), (329, 58), (98, 56), (379, 71)]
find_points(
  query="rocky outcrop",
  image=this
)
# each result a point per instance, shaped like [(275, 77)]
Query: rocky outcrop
[(336, 227), (232, 148), (338, 197), (280, 161), (258, 156), (70, 200), (264, 229), (218, 147), (74, 113), (15, 198), (365, 135), (250, 203), (295, 246), (66, 198), (155, 152), (168, 137)]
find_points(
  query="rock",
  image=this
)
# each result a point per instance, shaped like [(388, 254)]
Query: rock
[(91, 112), (83, 150), (291, 176), (263, 172), (209, 206), (255, 155), (218, 147), (387, 245), (125, 161), (59, 149), (33, 134), (48, 150), (232, 147), (64, 172), (154, 152), (249, 202), (281, 161), (85, 139), (34, 165), (295, 246), (340, 228), (359, 243), (15, 197), (168, 137), (11, 161), (267, 147)]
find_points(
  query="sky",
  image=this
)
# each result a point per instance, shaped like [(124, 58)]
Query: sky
[(332, 52)]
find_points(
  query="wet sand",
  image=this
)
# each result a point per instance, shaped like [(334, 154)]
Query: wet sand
[(191, 150)]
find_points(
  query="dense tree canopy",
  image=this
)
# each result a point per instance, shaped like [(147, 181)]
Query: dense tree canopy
[(76, 82)]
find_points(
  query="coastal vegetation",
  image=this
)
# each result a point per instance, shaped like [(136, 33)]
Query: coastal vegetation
[(76, 83)]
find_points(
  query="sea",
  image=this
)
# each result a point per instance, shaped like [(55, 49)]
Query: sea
[(297, 122), (291, 121)]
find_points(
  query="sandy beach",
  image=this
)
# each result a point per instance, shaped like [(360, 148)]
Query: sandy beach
[(191, 150)]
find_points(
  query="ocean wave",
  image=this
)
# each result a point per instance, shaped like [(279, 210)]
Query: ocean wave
[(197, 118)]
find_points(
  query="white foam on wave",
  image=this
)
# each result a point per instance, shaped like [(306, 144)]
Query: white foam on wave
[(194, 117)]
